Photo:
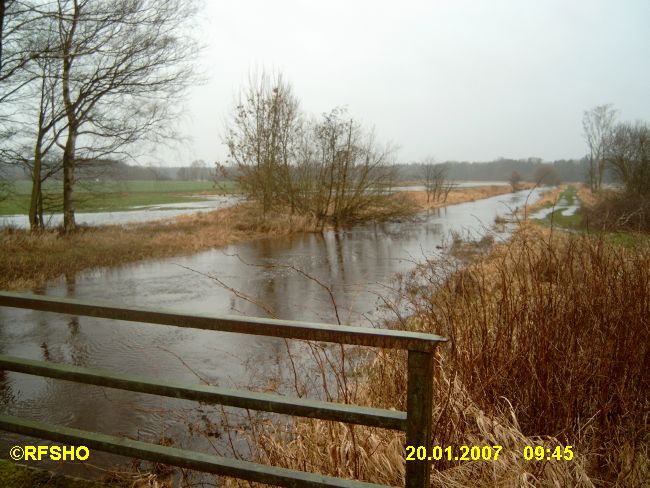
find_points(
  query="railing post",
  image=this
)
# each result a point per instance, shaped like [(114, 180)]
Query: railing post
[(419, 404)]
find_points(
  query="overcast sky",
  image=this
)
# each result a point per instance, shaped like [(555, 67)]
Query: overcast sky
[(452, 79)]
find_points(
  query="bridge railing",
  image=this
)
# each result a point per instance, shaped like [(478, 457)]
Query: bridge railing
[(416, 421)]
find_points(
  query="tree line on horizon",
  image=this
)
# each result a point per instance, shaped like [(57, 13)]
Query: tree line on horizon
[(501, 169)]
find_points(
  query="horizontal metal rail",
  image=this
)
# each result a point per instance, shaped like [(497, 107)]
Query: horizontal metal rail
[(177, 457), (359, 336), (338, 412), (416, 421)]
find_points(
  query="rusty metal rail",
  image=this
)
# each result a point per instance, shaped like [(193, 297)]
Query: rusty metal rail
[(416, 421)]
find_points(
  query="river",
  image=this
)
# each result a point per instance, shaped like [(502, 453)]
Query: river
[(357, 263)]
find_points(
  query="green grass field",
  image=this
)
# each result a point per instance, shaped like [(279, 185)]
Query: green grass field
[(111, 196)]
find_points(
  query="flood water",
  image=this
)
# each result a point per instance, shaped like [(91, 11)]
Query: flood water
[(138, 214), (357, 263)]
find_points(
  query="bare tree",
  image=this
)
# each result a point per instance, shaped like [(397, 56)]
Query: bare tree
[(198, 170), (545, 174), (435, 176), (50, 123), (515, 179), (124, 66), (330, 167), (628, 157), (17, 22), (597, 125), (262, 139), (30, 113), (349, 171)]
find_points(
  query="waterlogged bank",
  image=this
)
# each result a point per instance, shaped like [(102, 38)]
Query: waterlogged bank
[(30, 261)]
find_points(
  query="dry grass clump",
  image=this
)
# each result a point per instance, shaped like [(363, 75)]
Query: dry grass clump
[(549, 345), (586, 196), (394, 207), (377, 455)]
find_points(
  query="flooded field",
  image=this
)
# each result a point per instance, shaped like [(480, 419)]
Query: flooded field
[(138, 214)]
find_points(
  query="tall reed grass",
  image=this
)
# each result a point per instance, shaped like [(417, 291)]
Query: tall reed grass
[(549, 345)]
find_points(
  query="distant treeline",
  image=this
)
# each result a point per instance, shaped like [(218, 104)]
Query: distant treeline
[(109, 170), (568, 170)]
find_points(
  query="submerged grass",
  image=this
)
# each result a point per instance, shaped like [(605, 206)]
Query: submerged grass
[(566, 198)]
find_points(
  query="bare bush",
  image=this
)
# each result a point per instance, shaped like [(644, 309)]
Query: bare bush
[(618, 211), (515, 179), (597, 125), (435, 183), (628, 157), (330, 168)]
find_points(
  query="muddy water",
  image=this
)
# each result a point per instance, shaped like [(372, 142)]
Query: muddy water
[(356, 262)]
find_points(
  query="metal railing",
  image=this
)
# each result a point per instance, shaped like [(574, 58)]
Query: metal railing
[(416, 421)]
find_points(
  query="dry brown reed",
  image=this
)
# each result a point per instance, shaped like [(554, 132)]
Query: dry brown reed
[(558, 325)]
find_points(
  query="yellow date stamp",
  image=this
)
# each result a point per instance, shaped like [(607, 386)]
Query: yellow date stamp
[(486, 453)]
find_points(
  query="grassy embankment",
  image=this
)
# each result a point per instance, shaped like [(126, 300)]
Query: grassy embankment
[(112, 196), (568, 197), (549, 345), (590, 206), (30, 260)]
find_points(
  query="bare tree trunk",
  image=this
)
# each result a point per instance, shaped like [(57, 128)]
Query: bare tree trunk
[(2, 25), (37, 192), (41, 223), (69, 223), (36, 201)]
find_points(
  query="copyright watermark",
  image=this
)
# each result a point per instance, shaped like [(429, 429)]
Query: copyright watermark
[(53, 453)]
